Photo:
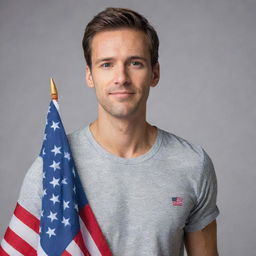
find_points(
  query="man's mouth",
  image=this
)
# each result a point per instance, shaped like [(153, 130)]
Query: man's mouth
[(121, 94)]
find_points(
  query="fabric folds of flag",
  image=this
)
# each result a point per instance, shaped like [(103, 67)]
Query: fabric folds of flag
[(67, 225)]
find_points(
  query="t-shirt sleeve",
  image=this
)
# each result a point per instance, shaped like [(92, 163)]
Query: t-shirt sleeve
[(205, 210), (31, 190)]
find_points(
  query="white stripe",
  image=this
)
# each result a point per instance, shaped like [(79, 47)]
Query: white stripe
[(9, 249), (89, 242), (40, 251), (55, 102), (25, 232), (74, 249)]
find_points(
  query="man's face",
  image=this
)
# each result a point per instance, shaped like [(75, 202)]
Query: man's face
[(121, 72)]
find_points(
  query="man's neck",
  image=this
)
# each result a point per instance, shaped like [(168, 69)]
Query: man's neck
[(124, 138)]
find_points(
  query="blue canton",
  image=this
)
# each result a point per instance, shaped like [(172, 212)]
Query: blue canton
[(63, 194)]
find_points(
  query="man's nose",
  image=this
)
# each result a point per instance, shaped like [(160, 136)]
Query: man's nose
[(121, 75)]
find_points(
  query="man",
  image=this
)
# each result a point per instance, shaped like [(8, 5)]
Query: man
[(151, 191), (141, 175)]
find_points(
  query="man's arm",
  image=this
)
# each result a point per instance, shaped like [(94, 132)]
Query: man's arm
[(202, 242)]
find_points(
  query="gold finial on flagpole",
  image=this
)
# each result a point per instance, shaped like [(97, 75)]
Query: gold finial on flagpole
[(54, 92)]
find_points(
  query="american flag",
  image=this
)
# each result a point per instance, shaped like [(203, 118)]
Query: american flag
[(67, 225), (177, 201)]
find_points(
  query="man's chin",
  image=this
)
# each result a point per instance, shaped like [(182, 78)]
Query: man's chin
[(122, 115), (121, 112)]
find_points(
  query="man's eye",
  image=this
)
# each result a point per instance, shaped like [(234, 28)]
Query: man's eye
[(106, 65), (136, 63)]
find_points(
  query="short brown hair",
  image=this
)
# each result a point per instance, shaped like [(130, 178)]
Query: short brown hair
[(115, 18)]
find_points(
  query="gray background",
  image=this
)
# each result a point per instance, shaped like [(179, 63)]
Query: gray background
[(206, 92)]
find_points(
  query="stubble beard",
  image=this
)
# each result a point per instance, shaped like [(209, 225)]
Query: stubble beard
[(118, 111), (122, 109)]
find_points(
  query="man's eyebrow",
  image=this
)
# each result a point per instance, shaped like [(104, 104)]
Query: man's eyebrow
[(138, 58), (104, 59), (130, 58)]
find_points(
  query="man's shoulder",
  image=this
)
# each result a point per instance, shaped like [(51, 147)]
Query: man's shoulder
[(77, 135), (180, 145), (186, 154)]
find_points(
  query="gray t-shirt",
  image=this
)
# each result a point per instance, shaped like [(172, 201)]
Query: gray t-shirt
[(144, 204)]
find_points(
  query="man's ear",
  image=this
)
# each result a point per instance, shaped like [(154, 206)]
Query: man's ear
[(155, 75), (88, 77)]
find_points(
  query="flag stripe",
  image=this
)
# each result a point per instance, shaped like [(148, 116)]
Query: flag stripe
[(27, 218), (74, 249), (40, 251), (93, 228), (90, 244), (22, 230), (80, 242), (2, 252), (65, 253), (18, 243), (9, 249)]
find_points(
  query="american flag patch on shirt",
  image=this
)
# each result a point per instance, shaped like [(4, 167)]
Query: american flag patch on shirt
[(177, 201)]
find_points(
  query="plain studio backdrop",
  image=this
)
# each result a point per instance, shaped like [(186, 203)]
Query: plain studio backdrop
[(206, 94)]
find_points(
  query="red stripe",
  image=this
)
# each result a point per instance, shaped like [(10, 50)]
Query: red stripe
[(65, 253), (93, 227), (18, 243), (2, 252), (27, 218), (80, 242)]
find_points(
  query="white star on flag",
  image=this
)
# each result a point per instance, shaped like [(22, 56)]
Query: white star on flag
[(65, 204), (64, 181), (44, 192), (55, 125), (65, 221), (52, 216), (55, 182), (51, 232), (73, 171), (55, 165), (56, 150), (67, 155), (45, 135), (55, 199)]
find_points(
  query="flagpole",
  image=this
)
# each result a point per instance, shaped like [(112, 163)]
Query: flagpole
[(54, 92)]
